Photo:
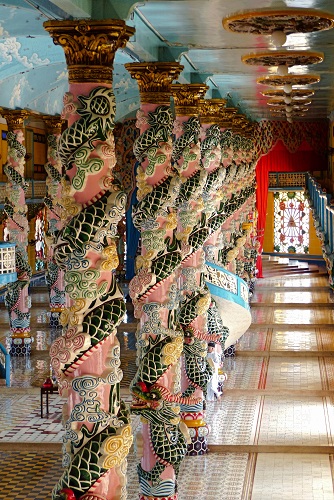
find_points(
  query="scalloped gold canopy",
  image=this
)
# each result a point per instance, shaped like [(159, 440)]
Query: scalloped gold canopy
[(286, 58), (281, 102), (266, 22), (280, 81), (295, 94)]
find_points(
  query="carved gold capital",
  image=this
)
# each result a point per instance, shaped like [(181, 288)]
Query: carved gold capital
[(53, 124), (212, 110), (89, 46), (187, 97), (154, 80), (15, 118), (242, 126)]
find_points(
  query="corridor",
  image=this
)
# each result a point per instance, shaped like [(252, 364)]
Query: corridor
[(271, 432)]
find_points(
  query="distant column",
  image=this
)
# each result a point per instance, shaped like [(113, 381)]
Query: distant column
[(53, 167), (17, 299)]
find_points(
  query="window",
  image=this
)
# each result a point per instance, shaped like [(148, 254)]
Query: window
[(291, 224)]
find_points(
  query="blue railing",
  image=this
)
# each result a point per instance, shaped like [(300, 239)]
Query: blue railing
[(5, 364), (323, 215)]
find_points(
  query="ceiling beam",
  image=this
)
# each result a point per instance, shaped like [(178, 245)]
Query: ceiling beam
[(79, 9)]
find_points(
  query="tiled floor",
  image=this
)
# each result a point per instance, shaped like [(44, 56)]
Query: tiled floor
[(272, 432)]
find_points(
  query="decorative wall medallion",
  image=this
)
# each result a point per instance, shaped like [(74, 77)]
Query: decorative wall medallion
[(286, 58), (266, 22), (280, 81)]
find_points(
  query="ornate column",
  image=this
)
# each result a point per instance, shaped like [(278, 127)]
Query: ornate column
[(213, 118), (17, 299), (154, 289), (86, 358), (53, 167), (192, 233)]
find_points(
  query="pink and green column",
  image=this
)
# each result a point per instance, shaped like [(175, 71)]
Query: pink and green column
[(17, 299), (86, 358)]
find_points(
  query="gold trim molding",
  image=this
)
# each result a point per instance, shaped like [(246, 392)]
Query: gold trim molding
[(90, 46), (154, 80), (187, 97)]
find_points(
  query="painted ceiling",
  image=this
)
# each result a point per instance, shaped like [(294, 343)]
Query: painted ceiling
[(33, 72)]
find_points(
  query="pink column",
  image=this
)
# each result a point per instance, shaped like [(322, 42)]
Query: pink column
[(86, 358), (17, 299), (53, 167), (154, 289)]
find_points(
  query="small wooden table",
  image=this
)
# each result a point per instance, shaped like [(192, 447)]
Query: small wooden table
[(47, 391)]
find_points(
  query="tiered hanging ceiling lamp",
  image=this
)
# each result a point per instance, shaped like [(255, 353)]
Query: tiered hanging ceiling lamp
[(278, 24), (272, 22)]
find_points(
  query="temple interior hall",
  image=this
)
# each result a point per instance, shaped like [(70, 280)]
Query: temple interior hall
[(166, 250)]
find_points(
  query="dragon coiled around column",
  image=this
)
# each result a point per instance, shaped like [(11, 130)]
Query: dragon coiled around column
[(18, 319), (86, 358), (159, 338)]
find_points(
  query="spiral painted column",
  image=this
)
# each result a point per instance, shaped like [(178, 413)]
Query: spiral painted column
[(192, 233), (154, 289), (53, 167), (86, 358), (17, 299), (213, 118)]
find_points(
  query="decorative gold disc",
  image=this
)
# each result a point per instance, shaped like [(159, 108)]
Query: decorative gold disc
[(280, 81), (283, 58), (266, 22)]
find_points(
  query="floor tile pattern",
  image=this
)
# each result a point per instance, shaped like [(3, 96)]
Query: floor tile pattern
[(278, 393)]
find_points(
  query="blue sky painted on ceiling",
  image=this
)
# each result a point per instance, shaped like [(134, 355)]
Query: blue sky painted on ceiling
[(33, 72)]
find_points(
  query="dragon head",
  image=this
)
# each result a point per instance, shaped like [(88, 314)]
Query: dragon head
[(145, 397)]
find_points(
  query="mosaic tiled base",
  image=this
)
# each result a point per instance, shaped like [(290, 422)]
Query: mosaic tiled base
[(199, 441)]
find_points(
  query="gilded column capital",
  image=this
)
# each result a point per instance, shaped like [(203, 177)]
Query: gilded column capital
[(242, 126), (187, 97), (90, 46), (211, 110), (154, 80), (53, 124), (15, 118)]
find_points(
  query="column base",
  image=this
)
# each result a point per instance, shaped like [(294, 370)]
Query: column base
[(230, 352), (144, 497), (55, 320), (199, 441), (20, 346)]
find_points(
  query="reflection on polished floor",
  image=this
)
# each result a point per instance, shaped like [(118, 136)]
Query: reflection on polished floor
[(272, 431)]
